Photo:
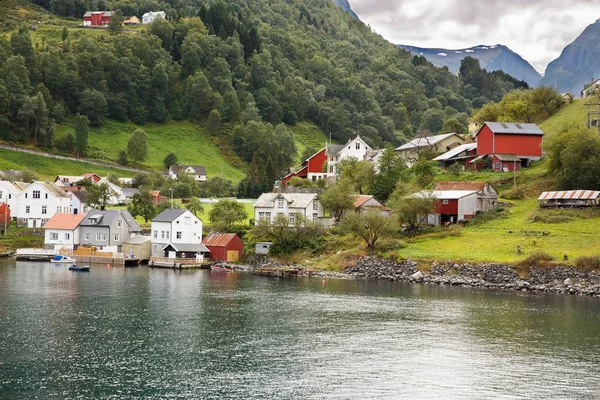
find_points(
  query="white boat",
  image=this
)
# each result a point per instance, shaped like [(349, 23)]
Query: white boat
[(59, 258)]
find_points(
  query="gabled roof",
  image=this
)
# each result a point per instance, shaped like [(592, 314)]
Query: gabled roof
[(466, 185), (219, 239), (360, 200), (169, 215), (191, 247), (456, 151), (295, 200), (107, 217), (11, 186), (81, 195), (445, 194), (426, 141), (333, 149), (129, 192), (199, 169), (64, 221), (512, 128), (570, 195), (68, 178), (53, 189)]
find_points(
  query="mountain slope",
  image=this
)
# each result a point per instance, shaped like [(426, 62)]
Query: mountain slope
[(577, 63), (345, 5), (492, 58)]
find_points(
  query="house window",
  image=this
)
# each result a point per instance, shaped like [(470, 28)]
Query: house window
[(99, 237), (119, 223), (86, 236), (331, 169), (497, 166), (162, 234), (67, 236), (314, 178), (186, 221), (444, 201), (331, 158), (46, 195), (27, 209), (25, 195), (280, 202), (315, 216), (53, 236), (357, 145), (315, 204), (178, 235), (36, 194), (9, 196), (292, 218), (103, 237), (117, 238), (44, 210), (268, 216), (155, 234), (167, 234), (261, 216)]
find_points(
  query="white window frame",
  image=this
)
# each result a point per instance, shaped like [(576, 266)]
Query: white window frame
[(117, 237), (44, 210), (315, 204), (53, 235), (178, 235), (27, 210), (292, 218), (36, 194), (119, 223), (155, 234), (86, 236), (67, 235), (357, 145), (445, 202), (280, 202)]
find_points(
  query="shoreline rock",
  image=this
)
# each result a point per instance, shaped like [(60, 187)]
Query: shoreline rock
[(555, 279)]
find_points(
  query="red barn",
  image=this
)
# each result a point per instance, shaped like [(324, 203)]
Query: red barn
[(312, 168), (501, 140), (97, 18), (227, 247)]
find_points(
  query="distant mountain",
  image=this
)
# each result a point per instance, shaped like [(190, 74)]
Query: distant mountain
[(345, 5), (492, 58), (577, 64)]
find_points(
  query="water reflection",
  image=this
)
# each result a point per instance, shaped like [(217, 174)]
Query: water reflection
[(142, 333)]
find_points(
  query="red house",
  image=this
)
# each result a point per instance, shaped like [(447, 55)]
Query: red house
[(312, 168), (227, 247), (97, 18), (509, 144)]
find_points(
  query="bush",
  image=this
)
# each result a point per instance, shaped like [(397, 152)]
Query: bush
[(537, 259), (586, 263), (496, 213), (455, 169)]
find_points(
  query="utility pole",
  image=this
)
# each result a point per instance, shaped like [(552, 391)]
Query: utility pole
[(171, 189)]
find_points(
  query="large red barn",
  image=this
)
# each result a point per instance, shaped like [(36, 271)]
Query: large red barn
[(312, 168), (500, 140), (226, 247), (97, 18)]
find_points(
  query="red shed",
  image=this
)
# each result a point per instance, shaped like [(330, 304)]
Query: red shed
[(521, 140), (312, 168), (226, 247), (4, 214)]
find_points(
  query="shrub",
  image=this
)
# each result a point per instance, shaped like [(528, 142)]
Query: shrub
[(537, 259), (496, 213), (586, 263)]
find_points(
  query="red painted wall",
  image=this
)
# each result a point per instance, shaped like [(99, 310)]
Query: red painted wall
[(4, 214), (506, 164), (450, 208), (219, 253), (316, 162), (96, 19), (522, 145)]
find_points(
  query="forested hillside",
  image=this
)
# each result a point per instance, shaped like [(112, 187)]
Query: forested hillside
[(247, 66)]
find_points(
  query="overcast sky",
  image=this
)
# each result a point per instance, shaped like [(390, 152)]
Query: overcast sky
[(537, 30)]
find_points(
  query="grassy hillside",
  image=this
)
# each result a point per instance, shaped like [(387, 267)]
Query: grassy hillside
[(574, 114), (190, 142), (307, 135), (48, 168)]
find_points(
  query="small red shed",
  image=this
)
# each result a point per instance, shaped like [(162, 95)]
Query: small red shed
[(4, 214), (227, 247)]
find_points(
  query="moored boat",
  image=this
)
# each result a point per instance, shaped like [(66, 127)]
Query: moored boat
[(59, 258), (80, 268)]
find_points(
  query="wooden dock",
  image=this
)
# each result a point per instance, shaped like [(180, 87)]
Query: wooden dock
[(277, 272), (113, 261), (177, 263)]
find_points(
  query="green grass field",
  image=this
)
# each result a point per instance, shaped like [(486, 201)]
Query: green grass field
[(48, 168), (307, 135), (574, 114), (190, 142)]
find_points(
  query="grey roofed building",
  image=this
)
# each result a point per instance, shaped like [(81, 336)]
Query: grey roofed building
[(129, 192), (333, 149), (177, 169), (107, 217), (513, 128), (188, 247), (425, 141), (169, 215), (80, 194), (295, 200)]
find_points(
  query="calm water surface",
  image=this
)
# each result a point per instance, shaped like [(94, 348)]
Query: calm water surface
[(149, 334)]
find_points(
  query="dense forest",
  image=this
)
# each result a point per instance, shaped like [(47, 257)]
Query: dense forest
[(249, 63)]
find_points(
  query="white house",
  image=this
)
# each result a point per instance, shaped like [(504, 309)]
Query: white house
[(78, 201), (291, 205), (9, 194), (356, 148), (198, 172), (149, 17), (177, 233), (62, 231), (39, 202), (412, 150)]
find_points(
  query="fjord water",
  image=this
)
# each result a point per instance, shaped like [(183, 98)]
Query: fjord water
[(141, 333)]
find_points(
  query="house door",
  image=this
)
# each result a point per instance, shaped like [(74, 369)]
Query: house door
[(172, 254), (233, 255), (30, 222)]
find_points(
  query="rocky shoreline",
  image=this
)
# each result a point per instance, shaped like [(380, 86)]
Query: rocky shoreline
[(551, 279)]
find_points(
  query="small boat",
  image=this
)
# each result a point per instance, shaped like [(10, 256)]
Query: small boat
[(59, 258), (219, 268), (81, 268)]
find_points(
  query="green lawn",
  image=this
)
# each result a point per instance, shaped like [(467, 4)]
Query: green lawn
[(574, 114), (190, 142), (497, 240), (48, 168)]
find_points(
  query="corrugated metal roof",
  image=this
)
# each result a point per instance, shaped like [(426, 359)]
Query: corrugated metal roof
[(570, 195), (218, 239), (507, 157), (140, 239), (513, 128), (456, 151)]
